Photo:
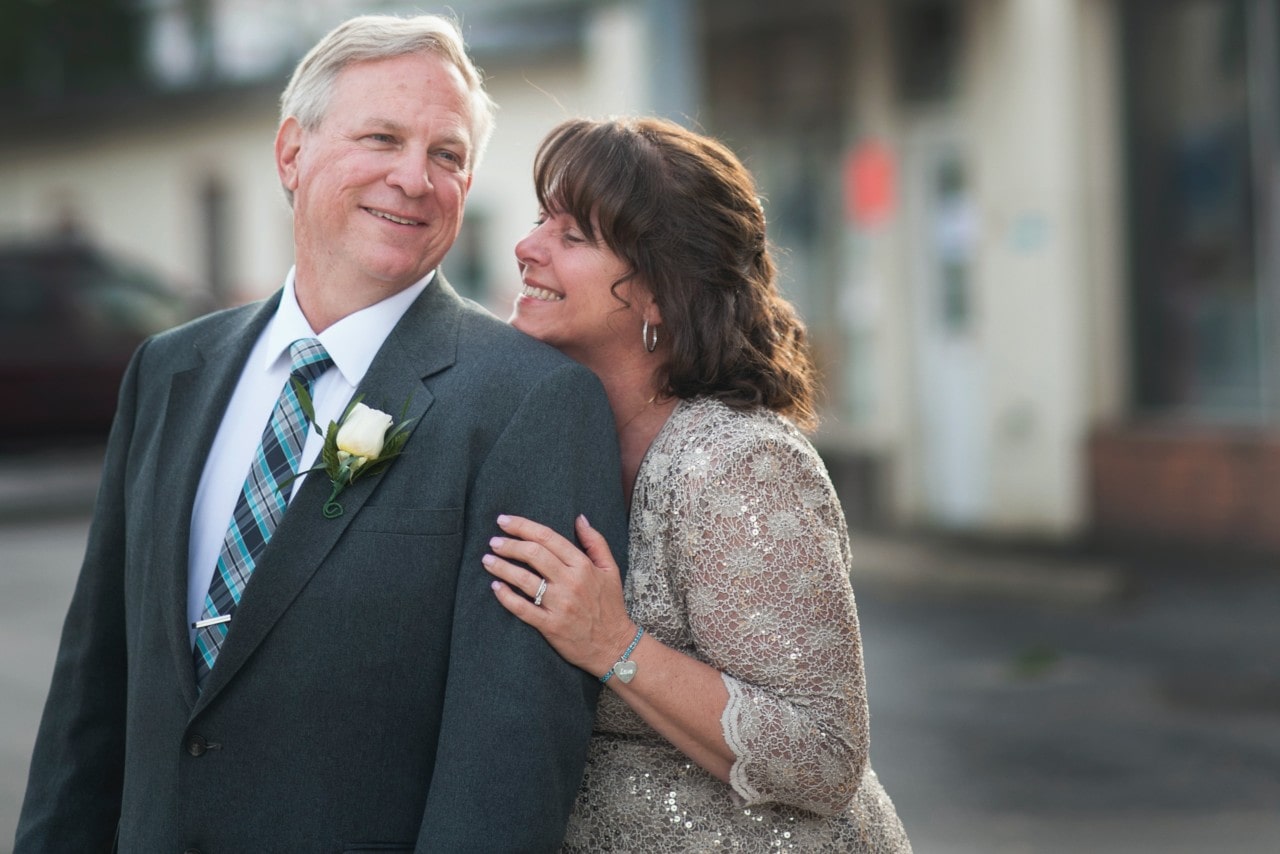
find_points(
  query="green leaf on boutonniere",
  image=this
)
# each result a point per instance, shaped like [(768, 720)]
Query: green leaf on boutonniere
[(304, 400), (329, 451)]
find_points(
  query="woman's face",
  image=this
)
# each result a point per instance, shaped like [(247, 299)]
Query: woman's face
[(567, 298)]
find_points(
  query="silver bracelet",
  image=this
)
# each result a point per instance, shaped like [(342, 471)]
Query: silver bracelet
[(624, 669)]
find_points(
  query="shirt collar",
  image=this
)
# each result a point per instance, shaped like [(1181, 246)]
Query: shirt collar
[(353, 341)]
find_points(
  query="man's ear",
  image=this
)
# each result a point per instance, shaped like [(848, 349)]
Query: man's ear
[(288, 150)]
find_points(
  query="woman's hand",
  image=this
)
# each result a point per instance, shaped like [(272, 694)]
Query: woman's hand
[(582, 613), (583, 616)]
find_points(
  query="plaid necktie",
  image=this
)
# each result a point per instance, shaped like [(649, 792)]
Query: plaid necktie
[(260, 506)]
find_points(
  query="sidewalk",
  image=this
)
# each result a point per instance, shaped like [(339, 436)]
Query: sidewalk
[(1027, 701), (946, 567), (50, 483)]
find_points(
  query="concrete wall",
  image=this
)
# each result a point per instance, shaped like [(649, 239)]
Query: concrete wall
[(136, 188), (1037, 118)]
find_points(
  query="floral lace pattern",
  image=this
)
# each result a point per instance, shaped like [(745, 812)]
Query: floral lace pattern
[(739, 556)]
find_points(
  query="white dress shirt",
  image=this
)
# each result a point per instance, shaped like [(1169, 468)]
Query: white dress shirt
[(352, 343)]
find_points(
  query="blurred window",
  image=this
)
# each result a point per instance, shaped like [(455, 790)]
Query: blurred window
[(1200, 143), (465, 267), (927, 38), (786, 118)]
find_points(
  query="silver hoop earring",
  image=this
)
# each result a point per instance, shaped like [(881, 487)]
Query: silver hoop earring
[(650, 343)]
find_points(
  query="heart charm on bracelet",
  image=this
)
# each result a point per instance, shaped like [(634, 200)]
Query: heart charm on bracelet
[(625, 670)]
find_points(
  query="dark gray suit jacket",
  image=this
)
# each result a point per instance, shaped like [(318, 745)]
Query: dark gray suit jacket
[(373, 695)]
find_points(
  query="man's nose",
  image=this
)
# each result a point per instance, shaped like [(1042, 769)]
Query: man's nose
[(410, 174)]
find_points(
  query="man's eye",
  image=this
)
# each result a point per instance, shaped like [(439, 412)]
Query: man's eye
[(451, 157)]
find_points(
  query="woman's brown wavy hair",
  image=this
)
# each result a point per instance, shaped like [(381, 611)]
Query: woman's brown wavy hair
[(683, 212)]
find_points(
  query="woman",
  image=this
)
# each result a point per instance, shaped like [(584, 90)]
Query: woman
[(736, 717)]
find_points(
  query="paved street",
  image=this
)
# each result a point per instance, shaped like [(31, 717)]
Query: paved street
[(1144, 722), (1020, 703), (38, 563)]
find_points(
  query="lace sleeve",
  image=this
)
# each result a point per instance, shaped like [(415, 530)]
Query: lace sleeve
[(765, 571)]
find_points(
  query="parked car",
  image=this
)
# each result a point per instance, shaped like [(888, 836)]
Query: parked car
[(71, 316)]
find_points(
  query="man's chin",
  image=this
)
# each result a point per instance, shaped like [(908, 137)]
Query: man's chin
[(395, 278)]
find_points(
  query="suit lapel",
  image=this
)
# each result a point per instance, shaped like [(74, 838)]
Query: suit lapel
[(422, 343), (198, 393)]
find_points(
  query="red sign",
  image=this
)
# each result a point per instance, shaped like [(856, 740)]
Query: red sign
[(869, 184)]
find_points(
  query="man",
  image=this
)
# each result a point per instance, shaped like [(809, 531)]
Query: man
[(338, 676)]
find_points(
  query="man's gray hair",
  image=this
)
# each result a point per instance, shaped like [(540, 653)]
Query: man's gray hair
[(368, 38)]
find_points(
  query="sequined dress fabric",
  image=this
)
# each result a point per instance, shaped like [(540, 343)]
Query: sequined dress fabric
[(739, 556)]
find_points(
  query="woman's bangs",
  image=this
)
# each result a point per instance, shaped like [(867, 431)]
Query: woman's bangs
[(581, 175)]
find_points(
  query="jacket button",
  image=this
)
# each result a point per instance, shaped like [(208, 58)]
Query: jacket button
[(196, 746)]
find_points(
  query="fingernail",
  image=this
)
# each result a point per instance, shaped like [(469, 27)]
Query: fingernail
[(582, 517), (503, 519), (495, 586), (498, 542), (488, 560)]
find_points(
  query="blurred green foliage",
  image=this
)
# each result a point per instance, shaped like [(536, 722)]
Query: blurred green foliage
[(1035, 661)]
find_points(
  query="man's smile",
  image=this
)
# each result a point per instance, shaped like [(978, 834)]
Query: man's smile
[(393, 218)]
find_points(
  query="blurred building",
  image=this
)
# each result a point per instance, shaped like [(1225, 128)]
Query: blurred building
[(1032, 238)]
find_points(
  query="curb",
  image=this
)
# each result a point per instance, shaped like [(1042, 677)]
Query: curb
[(897, 564)]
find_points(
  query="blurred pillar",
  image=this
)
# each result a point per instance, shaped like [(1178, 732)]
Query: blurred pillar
[(617, 61), (216, 239), (673, 60), (1026, 65)]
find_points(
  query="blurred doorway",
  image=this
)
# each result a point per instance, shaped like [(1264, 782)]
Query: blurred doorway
[(941, 228), (942, 236)]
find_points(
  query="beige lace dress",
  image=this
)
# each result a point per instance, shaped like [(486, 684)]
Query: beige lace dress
[(739, 556)]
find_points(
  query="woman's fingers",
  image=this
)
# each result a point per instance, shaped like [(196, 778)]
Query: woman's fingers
[(515, 576), (582, 603), (536, 544), (519, 605), (596, 545)]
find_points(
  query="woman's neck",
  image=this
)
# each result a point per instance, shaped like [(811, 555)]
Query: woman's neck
[(639, 413)]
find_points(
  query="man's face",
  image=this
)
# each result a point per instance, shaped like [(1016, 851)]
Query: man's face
[(379, 186)]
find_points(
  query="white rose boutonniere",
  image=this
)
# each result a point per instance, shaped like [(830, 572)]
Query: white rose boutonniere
[(362, 442), (362, 434)]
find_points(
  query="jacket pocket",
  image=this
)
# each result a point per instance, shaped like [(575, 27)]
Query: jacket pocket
[(418, 521)]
